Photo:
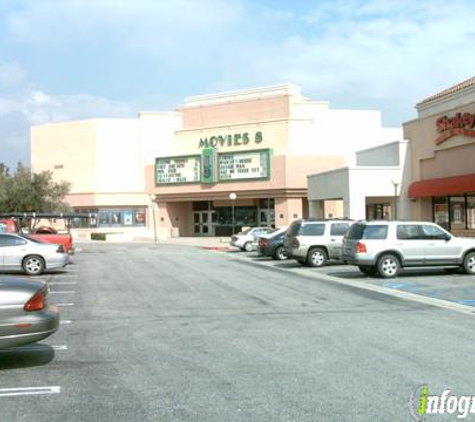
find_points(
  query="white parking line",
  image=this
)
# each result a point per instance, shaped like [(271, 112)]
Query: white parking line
[(65, 321), (6, 392), (68, 283), (64, 304), (63, 292)]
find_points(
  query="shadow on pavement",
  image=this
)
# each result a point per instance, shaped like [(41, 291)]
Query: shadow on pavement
[(26, 356)]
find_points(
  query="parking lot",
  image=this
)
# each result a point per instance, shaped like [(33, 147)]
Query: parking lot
[(453, 286), (179, 333)]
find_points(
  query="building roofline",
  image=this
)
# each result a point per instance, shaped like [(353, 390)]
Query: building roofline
[(448, 91)]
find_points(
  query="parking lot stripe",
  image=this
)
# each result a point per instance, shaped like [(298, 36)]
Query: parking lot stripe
[(65, 304), (65, 321), (68, 283), (8, 392), (63, 292)]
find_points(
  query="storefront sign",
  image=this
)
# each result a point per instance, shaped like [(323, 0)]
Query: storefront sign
[(185, 169), (235, 140), (244, 165), (460, 124), (208, 166)]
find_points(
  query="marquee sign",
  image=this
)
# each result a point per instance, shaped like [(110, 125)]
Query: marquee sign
[(460, 124), (184, 169), (244, 165), (234, 140)]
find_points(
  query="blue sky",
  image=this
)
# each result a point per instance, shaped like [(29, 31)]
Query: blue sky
[(72, 59)]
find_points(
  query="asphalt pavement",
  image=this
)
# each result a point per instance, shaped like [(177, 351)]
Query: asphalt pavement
[(154, 332)]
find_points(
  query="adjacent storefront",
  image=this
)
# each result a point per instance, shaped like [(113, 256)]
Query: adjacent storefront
[(443, 151)]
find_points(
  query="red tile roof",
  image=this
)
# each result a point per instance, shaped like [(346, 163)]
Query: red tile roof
[(455, 88)]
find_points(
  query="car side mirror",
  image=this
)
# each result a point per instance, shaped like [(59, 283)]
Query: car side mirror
[(447, 237)]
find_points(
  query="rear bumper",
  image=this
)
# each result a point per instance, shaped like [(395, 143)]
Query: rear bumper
[(30, 328), (354, 260), (58, 262)]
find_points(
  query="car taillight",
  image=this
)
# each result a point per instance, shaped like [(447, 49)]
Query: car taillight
[(296, 242), (361, 248), (60, 249), (37, 302)]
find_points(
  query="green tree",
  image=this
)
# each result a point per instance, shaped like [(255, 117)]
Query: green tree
[(26, 191)]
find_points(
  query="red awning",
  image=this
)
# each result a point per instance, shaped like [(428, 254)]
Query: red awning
[(456, 185)]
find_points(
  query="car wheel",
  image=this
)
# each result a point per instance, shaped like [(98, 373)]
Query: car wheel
[(388, 266), (317, 257), (33, 265), (469, 263), (280, 253), (248, 246)]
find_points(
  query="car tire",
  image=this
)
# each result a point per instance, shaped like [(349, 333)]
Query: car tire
[(280, 254), (248, 246), (469, 263), (33, 265), (317, 257), (388, 266)]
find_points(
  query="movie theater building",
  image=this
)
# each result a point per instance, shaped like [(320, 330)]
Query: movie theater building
[(443, 158), (174, 174), (242, 158)]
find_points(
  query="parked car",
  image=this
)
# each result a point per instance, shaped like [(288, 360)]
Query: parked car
[(314, 242), (43, 233), (384, 247), (21, 253), (273, 244), (26, 316), (246, 240)]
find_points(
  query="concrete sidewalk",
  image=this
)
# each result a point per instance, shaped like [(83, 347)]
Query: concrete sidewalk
[(203, 242)]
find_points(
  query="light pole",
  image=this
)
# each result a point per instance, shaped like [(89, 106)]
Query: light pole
[(232, 197), (395, 184), (152, 200)]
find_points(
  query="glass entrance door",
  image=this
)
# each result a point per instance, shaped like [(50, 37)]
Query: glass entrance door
[(266, 218), (203, 223)]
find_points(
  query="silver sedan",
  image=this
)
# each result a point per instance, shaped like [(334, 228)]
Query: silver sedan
[(25, 314), (20, 253)]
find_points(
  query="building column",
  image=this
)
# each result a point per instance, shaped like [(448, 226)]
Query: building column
[(354, 207)]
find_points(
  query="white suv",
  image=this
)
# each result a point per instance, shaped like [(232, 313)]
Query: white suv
[(385, 247), (313, 242)]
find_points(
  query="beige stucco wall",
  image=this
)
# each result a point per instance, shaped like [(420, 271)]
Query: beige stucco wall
[(230, 113), (451, 158), (69, 150)]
